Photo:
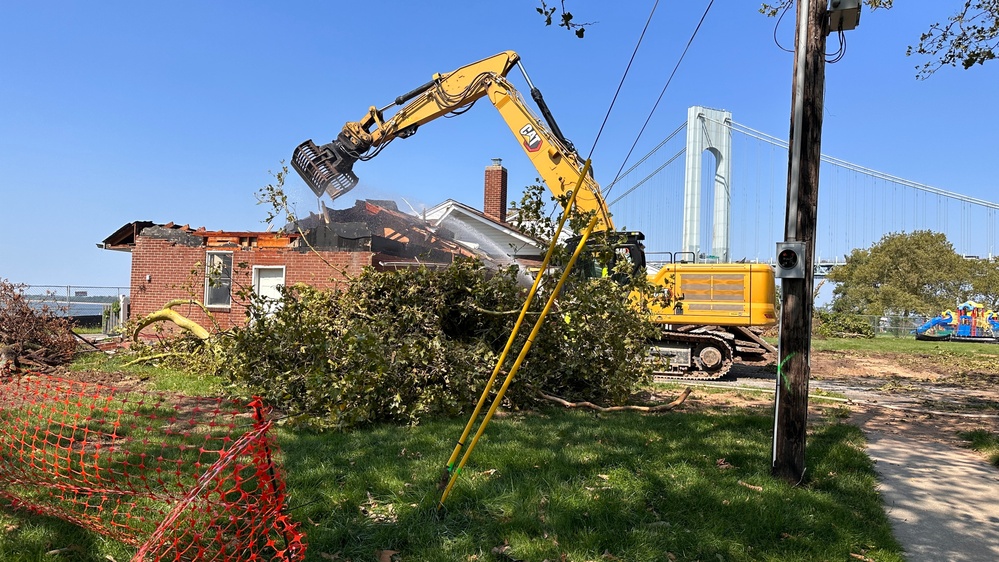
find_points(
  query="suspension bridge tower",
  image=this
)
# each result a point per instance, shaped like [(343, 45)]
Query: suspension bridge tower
[(710, 130)]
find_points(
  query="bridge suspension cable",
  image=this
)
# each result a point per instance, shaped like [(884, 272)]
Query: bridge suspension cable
[(869, 171), (860, 205)]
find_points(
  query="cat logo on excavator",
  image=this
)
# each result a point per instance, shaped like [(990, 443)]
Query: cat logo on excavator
[(532, 140)]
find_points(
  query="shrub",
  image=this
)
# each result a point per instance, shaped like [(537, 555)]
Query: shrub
[(841, 325), (392, 346)]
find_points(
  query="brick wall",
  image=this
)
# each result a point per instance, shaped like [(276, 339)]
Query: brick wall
[(176, 271), (495, 203)]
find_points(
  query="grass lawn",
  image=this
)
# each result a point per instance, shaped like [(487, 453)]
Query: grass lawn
[(567, 485), (908, 345), (555, 484), (985, 442)]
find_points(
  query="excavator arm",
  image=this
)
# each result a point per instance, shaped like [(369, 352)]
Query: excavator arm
[(711, 306), (329, 168)]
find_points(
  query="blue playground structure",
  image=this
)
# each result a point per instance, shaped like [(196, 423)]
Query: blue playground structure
[(971, 323)]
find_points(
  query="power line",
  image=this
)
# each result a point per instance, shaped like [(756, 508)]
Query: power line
[(620, 84), (663, 92)]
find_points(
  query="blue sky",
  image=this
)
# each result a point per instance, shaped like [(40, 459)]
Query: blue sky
[(177, 111)]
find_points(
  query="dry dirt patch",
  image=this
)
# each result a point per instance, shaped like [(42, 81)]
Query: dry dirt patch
[(916, 394), (847, 364)]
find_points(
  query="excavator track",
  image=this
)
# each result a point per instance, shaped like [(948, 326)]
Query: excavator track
[(747, 342), (690, 356)]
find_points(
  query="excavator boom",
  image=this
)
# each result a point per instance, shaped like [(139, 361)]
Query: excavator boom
[(329, 168)]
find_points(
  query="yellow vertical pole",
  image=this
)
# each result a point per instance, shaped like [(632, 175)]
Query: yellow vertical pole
[(519, 361), (520, 320)]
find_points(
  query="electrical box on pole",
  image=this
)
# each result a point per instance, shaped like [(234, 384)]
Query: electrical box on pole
[(844, 15), (790, 260)]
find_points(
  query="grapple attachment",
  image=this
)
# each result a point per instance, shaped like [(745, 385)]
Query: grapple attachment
[(326, 169)]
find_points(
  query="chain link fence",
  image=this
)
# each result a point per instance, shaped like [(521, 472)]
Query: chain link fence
[(897, 326), (889, 326), (90, 307)]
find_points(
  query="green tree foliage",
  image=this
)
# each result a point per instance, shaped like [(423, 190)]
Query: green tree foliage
[(402, 345), (917, 273), (840, 325), (594, 347), (598, 337), (970, 37), (985, 282), (392, 346), (564, 17)]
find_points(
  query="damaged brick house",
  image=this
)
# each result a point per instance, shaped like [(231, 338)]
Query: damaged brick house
[(179, 262)]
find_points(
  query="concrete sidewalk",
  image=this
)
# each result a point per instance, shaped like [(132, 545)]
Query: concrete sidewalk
[(943, 501)]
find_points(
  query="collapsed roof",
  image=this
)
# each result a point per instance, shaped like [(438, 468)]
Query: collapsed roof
[(375, 226)]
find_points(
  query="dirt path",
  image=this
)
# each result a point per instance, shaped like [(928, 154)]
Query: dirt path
[(896, 394), (938, 495), (900, 394)]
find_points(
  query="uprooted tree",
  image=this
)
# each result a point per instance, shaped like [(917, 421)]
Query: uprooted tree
[(31, 335)]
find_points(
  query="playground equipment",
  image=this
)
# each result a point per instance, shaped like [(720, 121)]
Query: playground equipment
[(971, 323)]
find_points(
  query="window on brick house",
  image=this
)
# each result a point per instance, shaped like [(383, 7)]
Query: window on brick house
[(218, 279)]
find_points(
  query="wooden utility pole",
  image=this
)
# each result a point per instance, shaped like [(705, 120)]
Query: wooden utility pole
[(791, 402)]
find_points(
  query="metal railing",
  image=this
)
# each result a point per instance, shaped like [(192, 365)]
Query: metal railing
[(89, 306)]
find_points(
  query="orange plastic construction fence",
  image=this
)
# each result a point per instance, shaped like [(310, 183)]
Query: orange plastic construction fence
[(178, 477)]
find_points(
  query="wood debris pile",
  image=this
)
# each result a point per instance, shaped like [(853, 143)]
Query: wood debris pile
[(31, 335)]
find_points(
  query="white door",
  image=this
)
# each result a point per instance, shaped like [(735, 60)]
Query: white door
[(267, 282)]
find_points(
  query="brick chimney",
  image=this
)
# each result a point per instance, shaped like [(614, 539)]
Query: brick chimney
[(495, 196)]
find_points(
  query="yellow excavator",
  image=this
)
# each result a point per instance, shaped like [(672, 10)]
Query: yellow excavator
[(714, 307)]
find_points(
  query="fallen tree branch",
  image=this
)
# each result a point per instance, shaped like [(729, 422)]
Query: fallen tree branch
[(488, 312), (750, 486), (650, 409), (153, 357), (42, 357), (9, 354), (201, 305), (167, 314), (86, 341)]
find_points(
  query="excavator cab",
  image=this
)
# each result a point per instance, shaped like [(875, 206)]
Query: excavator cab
[(605, 252)]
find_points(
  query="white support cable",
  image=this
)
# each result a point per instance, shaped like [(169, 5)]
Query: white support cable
[(649, 176), (646, 157), (738, 127), (875, 175)]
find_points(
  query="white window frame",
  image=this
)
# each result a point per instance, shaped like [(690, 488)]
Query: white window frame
[(209, 277)]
